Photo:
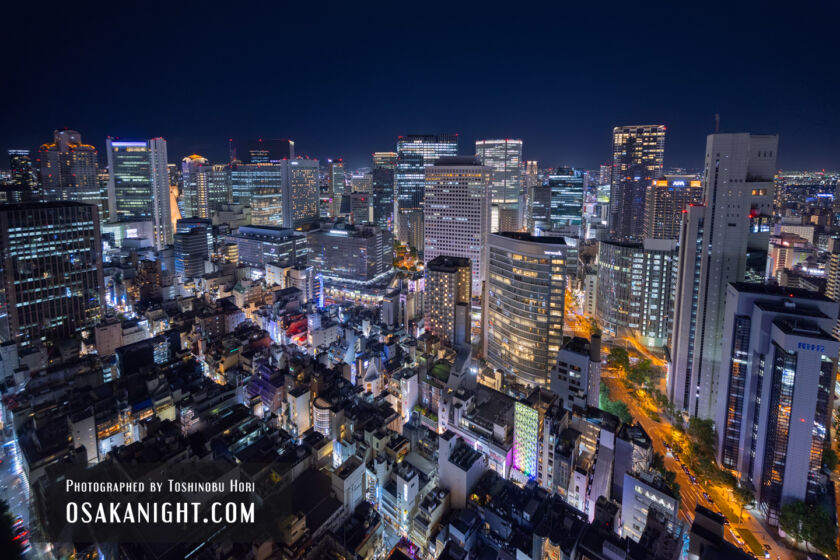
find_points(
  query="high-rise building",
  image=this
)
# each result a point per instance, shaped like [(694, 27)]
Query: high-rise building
[(360, 208), (283, 194), (361, 183), (448, 299), (524, 304), (773, 414), (355, 253), (715, 242), (665, 201), (456, 212), (51, 282), (566, 204), (206, 186), (637, 159), (636, 289), (604, 174), (190, 249), (23, 180), (336, 177), (267, 151), (382, 188), (504, 158), (415, 152), (138, 185), (256, 180), (69, 170)]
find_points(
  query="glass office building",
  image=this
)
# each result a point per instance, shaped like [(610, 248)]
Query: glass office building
[(524, 305)]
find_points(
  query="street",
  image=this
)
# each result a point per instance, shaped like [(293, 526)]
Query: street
[(691, 494)]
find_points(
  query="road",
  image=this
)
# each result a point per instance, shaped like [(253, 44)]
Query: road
[(690, 494)]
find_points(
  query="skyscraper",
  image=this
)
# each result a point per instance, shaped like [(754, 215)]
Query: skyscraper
[(24, 181), (448, 298), (504, 158), (191, 246), (138, 184), (456, 212), (714, 244), (51, 283), (351, 253), (636, 288), (566, 214), (637, 159), (524, 304), (69, 169), (665, 201), (776, 385), (206, 186), (281, 194), (415, 152), (382, 188), (336, 177)]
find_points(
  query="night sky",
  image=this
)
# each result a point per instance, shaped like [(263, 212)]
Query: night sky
[(345, 79)]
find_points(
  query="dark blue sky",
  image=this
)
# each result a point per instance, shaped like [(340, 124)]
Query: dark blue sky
[(346, 79)]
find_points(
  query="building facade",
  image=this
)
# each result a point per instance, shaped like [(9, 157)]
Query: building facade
[(69, 170), (665, 201), (776, 385), (524, 304), (51, 282), (717, 239), (637, 159), (456, 218), (504, 158), (448, 299)]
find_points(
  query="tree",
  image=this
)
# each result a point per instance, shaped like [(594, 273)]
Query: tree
[(9, 548), (744, 496), (829, 459), (619, 358), (593, 326), (641, 373), (792, 520)]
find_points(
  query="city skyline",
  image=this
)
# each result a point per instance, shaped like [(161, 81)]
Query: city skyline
[(526, 98)]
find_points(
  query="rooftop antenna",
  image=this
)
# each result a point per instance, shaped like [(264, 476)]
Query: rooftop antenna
[(717, 123)]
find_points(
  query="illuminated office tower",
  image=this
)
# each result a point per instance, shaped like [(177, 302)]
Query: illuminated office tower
[(382, 188), (455, 215), (637, 159), (301, 203), (665, 200), (448, 298), (566, 212), (523, 307), (206, 186), (773, 413), (361, 183), (714, 245), (504, 158), (51, 283), (336, 177), (138, 185), (69, 170), (532, 174), (351, 253), (24, 181), (415, 153), (255, 179), (636, 289), (193, 241), (267, 151), (281, 194)]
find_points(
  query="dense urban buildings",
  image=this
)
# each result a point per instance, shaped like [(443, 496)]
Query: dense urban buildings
[(455, 215), (357, 253), (523, 310), (52, 283), (638, 153), (715, 242)]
